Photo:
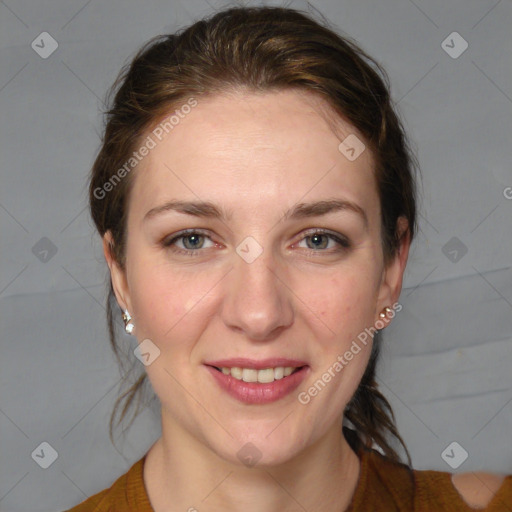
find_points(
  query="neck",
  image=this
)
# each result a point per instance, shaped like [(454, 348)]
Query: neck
[(180, 473)]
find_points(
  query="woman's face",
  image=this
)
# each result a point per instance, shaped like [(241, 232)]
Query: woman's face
[(272, 274)]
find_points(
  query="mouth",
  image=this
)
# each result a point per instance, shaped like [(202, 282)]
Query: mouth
[(268, 383), (263, 376)]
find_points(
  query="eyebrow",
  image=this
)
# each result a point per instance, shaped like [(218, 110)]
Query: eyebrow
[(208, 209)]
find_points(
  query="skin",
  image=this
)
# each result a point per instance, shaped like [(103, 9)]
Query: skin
[(255, 155)]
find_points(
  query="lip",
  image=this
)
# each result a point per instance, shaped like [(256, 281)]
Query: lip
[(255, 392), (262, 364)]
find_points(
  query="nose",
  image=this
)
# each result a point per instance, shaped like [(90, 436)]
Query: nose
[(257, 301)]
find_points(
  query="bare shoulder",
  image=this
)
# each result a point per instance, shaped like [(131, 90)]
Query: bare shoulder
[(477, 489)]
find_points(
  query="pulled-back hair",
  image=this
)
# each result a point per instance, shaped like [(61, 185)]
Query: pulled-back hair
[(257, 49)]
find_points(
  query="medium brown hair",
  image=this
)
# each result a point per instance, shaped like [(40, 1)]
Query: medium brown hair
[(258, 49)]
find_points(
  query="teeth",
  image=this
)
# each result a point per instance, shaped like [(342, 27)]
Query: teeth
[(264, 376), (278, 372), (236, 372), (249, 375)]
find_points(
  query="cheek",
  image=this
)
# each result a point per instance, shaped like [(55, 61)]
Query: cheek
[(162, 300), (344, 303)]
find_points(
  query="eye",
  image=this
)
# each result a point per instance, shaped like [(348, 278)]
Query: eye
[(188, 242), (318, 240)]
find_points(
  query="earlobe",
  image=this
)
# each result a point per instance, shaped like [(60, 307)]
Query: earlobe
[(117, 275)]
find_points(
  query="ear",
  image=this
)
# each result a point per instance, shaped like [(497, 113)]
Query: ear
[(117, 274), (392, 277)]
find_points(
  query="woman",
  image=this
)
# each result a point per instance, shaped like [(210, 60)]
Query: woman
[(256, 199)]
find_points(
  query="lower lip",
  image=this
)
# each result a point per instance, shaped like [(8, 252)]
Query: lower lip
[(256, 393)]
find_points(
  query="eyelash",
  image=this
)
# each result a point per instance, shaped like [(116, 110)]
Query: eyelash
[(343, 242)]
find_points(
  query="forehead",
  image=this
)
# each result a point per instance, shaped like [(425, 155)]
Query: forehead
[(253, 150)]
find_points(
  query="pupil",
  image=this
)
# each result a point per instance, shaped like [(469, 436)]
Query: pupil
[(317, 238), (195, 240)]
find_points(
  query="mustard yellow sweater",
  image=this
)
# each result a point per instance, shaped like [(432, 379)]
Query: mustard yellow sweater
[(383, 486)]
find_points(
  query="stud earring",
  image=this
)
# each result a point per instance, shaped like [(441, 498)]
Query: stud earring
[(385, 312), (128, 324)]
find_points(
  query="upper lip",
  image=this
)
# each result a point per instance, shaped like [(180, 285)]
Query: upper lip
[(242, 362)]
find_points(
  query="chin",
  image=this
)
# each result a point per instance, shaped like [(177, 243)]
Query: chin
[(259, 451)]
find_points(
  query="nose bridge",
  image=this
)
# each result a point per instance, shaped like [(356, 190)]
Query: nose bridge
[(256, 302)]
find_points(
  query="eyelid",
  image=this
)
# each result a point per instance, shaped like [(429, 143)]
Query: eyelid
[(169, 240), (343, 244), (341, 239)]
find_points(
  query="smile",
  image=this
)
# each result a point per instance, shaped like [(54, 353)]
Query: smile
[(262, 376), (258, 385)]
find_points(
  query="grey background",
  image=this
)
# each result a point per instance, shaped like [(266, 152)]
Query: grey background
[(446, 364)]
